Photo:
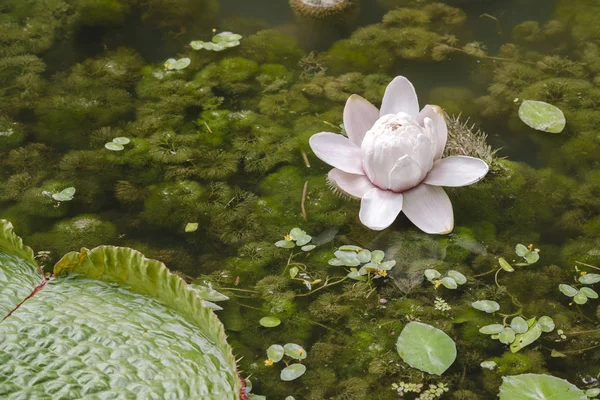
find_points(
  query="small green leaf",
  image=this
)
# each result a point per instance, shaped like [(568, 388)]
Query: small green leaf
[(365, 269), (270, 322), (591, 393), (491, 329), (191, 227), (519, 325), (226, 37), (432, 274), (557, 354), (567, 290), (336, 262), (387, 265), (353, 274), (349, 247), (292, 372), (112, 146), (542, 116), (197, 44), (525, 339), (122, 140), (505, 265), (532, 257), (293, 272), (580, 298), (65, 195), (521, 250), (491, 365), (488, 306), (449, 283), (589, 292), (308, 247), (457, 276), (285, 244), (364, 256), (295, 351), (377, 256), (275, 352), (589, 279), (546, 324), (507, 336), (297, 233)]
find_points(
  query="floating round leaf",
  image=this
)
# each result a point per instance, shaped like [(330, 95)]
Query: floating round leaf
[(285, 244), (505, 265), (567, 290), (292, 372), (519, 325), (191, 227), (457, 276), (364, 256), (308, 247), (525, 339), (580, 298), (507, 336), (532, 257), (589, 292), (125, 312), (377, 256), (542, 116), (488, 306), (426, 348), (65, 195), (491, 365), (538, 387), (449, 283), (275, 352), (546, 324), (432, 274), (121, 140), (491, 329), (521, 250), (295, 351), (293, 272), (270, 321), (589, 279), (591, 393), (197, 44), (114, 146)]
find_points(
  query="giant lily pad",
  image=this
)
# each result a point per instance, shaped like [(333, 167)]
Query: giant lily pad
[(542, 116), (110, 324), (538, 387), (426, 348)]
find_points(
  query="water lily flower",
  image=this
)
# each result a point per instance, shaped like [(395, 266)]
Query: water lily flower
[(392, 160)]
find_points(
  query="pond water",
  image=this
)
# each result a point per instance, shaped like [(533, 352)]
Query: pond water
[(206, 165)]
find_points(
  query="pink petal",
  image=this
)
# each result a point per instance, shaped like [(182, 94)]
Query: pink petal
[(379, 208), (337, 151), (456, 171), (354, 185), (405, 174), (429, 208), (400, 96), (359, 117), (437, 128)]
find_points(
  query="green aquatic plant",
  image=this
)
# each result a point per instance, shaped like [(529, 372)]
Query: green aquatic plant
[(426, 348), (110, 281), (542, 116), (220, 42), (450, 281), (276, 353), (537, 386), (117, 143), (177, 65)]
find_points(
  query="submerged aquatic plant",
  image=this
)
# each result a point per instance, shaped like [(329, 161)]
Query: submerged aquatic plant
[(392, 160)]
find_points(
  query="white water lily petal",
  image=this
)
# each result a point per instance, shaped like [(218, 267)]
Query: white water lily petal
[(379, 208), (437, 128), (352, 184), (405, 174), (456, 171), (400, 96), (337, 151), (429, 208), (359, 117)]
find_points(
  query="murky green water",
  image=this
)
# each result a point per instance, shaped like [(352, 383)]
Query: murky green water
[(224, 143)]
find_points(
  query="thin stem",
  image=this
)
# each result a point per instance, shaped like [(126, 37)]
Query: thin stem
[(322, 287), (582, 332), (303, 201), (491, 271), (239, 290), (322, 326), (587, 265), (305, 158), (580, 350), (496, 277)]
